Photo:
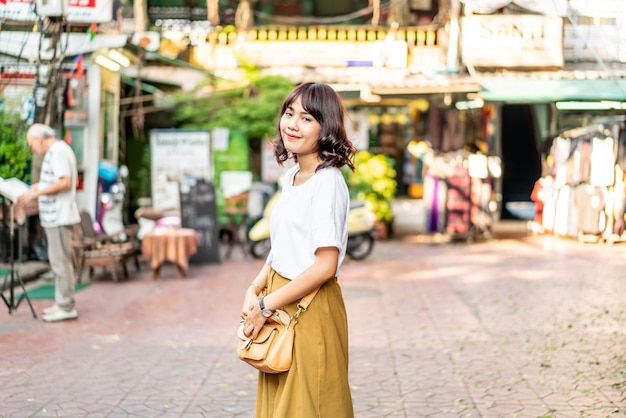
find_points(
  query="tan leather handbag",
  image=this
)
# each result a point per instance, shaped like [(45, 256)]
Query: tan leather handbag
[(272, 350)]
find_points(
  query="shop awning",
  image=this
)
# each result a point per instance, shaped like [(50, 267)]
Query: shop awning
[(537, 90), (383, 81), (131, 81)]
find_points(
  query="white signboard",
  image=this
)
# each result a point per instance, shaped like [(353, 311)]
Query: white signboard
[(234, 183), (389, 53), (176, 154), (522, 41), (85, 11)]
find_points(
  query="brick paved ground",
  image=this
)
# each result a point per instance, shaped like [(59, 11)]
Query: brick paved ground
[(533, 327)]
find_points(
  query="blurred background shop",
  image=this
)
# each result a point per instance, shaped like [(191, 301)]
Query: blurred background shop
[(428, 83)]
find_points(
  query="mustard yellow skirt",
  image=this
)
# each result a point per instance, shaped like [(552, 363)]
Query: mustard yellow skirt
[(317, 383)]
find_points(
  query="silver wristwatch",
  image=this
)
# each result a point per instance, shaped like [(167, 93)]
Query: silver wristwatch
[(265, 311)]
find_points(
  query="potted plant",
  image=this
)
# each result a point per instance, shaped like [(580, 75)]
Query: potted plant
[(373, 181), (15, 155)]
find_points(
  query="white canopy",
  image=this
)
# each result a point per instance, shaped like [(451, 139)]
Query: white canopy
[(561, 8), (27, 45)]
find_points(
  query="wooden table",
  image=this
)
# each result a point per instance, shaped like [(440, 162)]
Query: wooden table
[(175, 245)]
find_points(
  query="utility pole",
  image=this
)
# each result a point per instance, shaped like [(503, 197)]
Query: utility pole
[(140, 14), (452, 62), (213, 16), (48, 92)]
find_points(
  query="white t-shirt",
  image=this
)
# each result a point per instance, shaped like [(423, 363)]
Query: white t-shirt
[(308, 217), (58, 209)]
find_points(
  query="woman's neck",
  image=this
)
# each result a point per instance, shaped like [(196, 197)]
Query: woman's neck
[(308, 163), (306, 169)]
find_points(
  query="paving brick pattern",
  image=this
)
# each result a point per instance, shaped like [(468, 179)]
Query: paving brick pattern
[(530, 327)]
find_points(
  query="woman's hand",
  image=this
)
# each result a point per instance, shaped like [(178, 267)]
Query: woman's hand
[(249, 301), (253, 321)]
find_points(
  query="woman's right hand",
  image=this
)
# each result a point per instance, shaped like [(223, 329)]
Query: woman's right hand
[(249, 302)]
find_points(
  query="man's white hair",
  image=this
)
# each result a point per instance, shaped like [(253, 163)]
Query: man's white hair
[(39, 130)]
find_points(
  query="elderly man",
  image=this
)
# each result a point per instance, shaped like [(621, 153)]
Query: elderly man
[(58, 213)]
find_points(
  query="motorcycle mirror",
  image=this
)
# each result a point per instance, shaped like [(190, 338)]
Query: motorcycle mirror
[(124, 171)]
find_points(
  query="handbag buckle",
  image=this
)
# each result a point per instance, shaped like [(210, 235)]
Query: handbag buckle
[(248, 344), (298, 312)]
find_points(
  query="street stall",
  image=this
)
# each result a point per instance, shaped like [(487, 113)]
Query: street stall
[(460, 169), (583, 188), (459, 192)]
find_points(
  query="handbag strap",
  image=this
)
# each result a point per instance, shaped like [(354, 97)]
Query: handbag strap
[(304, 304)]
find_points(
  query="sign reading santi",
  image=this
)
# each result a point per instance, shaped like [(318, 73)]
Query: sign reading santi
[(514, 41)]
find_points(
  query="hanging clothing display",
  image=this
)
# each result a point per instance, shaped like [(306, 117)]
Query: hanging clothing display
[(576, 198), (458, 191)]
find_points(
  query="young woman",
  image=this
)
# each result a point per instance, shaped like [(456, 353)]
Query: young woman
[(309, 233)]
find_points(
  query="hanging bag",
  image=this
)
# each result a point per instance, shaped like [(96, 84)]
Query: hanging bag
[(272, 350)]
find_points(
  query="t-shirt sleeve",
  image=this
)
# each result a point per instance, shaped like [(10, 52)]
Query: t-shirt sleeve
[(60, 163), (329, 206)]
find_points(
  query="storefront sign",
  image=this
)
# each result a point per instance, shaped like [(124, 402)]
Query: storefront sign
[(175, 155), (522, 41), (86, 11), (18, 71)]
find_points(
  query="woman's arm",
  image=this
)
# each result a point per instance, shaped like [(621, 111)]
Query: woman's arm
[(324, 268)]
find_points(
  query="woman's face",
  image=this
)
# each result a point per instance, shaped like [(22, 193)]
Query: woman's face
[(299, 130)]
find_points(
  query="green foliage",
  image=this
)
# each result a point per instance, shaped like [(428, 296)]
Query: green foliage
[(15, 155), (252, 109), (140, 183), (373, 180)]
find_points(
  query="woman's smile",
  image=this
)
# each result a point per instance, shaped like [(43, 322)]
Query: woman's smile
[(291, 137)]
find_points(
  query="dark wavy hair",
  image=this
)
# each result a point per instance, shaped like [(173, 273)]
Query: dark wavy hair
[(325, 105)]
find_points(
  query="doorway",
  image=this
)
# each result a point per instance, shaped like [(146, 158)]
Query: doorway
[(521, 161)]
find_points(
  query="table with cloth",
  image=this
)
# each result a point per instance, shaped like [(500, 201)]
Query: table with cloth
[(175, 245)]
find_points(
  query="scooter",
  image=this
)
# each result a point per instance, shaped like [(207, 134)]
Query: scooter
[(361, 222)]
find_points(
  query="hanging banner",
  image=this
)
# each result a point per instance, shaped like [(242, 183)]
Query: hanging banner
[(84, 11)]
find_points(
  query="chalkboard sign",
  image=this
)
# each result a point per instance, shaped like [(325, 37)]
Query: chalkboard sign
[(198, 211)]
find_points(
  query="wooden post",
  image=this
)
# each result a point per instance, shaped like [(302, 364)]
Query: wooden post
[(213, 15)]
